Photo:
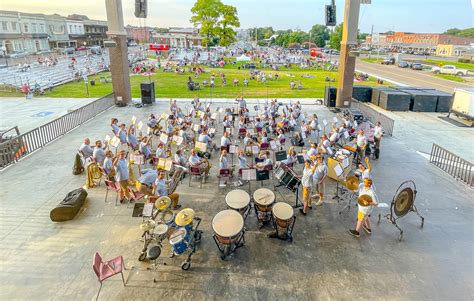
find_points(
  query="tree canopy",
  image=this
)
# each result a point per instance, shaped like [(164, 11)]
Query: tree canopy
[(467, 33), (216, 21)]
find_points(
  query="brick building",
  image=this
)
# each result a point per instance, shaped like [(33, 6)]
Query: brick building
[(139, 34)]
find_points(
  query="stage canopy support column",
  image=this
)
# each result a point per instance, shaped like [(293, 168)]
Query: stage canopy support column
[(119, 53), (346, 60)]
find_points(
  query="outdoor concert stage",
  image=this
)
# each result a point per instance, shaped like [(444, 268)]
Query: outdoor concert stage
[(45, 260)]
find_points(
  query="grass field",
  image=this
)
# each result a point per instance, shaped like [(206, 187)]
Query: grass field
[(467, 66), (451, 77), (372, 59), (174, 85)]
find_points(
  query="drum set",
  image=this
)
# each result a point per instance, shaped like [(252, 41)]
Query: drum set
[(181, 230)]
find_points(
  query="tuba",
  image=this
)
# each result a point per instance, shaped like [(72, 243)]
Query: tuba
[(93, 174)]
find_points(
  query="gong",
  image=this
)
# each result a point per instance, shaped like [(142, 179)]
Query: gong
[(403, 202)]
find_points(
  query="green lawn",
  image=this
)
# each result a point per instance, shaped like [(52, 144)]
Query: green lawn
[(174, 85), (372, 59), (467, 66), (451, 77)]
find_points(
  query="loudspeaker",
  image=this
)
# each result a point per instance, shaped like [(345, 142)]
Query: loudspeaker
[(148, 93), (394, 100), (140, 8), (330, 15), (362, 93), (330, 93)]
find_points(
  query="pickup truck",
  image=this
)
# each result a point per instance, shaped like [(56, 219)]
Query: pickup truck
[(449, 69)]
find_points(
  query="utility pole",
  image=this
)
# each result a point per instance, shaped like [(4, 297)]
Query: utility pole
[(119, 53), (371, 41), (346, 60)]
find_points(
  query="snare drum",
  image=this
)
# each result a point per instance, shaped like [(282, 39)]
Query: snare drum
[(238, 200), (287, 177), (283, 217), (167, 217), (160, 230), (179, 241), (264, 199), (228, 226)]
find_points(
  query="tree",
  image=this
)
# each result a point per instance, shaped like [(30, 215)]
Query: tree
[(319, 35), (205, 16), (162, 30), (336, 37), (228, 21), (467, 33)]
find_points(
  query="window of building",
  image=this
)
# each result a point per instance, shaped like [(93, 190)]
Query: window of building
[(41, 28), (70, 28), (25, 27), (4, 26), (13, 25)]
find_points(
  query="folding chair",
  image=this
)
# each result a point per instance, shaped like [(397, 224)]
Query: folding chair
[(134, 195), (224, 173), (113, 186), (107, 269), (195, 172)]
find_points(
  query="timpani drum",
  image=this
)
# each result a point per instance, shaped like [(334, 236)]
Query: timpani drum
[(238, 200), (264, 199), (228, 227), (284, 218)]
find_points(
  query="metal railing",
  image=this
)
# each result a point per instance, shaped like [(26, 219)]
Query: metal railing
[(454, 165), (20, 146), (374, 116)]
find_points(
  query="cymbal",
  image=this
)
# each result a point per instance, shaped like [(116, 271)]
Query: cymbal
[(364, 200), (352, 183), (184, 217), (147, 225), (162, 203)]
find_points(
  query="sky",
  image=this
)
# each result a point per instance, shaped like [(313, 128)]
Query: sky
[(429, 16)]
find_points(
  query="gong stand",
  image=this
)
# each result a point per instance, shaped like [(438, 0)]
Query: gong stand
[(403, 203)]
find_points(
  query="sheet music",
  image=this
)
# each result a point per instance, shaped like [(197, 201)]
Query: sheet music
[(161, 163), (164, 115), (168, 164), (134, 119), (255, 149), (147, 210), (178, 139), (345, 163), (346, 134), (249, 174), (338, 170), (107, 139), (330, 151), (248, 149), (212, 131), (201, 146), (214, 116), (273, 145), (115, 141), (233, 149), (164, 138), (140, 125), (325, 122), (137, 159)]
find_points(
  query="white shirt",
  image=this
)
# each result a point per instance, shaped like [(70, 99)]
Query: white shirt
[(362, 190), (378, 132), (333, 137), (320, 172), (306, 179), (225, 141), (361, 141)]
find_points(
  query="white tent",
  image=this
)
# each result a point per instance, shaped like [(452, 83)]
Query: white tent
[(243, 58)]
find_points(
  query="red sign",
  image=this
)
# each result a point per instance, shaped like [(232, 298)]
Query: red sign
[(162, 47)]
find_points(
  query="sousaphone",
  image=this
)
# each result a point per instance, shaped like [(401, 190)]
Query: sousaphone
[(402, 203)]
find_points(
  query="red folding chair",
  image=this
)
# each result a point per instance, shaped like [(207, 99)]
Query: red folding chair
[(264, 146), (224, 174), (107, 269), (112, 186), (134, 195), (195, 172), (242, 133)]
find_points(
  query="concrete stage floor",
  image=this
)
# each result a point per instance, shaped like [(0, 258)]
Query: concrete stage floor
[(42, 260)]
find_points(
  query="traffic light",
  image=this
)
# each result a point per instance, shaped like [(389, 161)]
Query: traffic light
[(140, 8), (330, 15)]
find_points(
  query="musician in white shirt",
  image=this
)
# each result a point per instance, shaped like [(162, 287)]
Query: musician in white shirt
[(225, 141), (378, 132), (361, 144), (363, 214)]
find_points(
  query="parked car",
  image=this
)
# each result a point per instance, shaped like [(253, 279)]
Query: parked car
[(403, 64), (388, 61), (95, 49), (449, 69), (80, 48), (416, 66), (67, 50), (43, 51)]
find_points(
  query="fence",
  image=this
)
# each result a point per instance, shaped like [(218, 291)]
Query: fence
[(454, 165), (20, 146), (374, 116)]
